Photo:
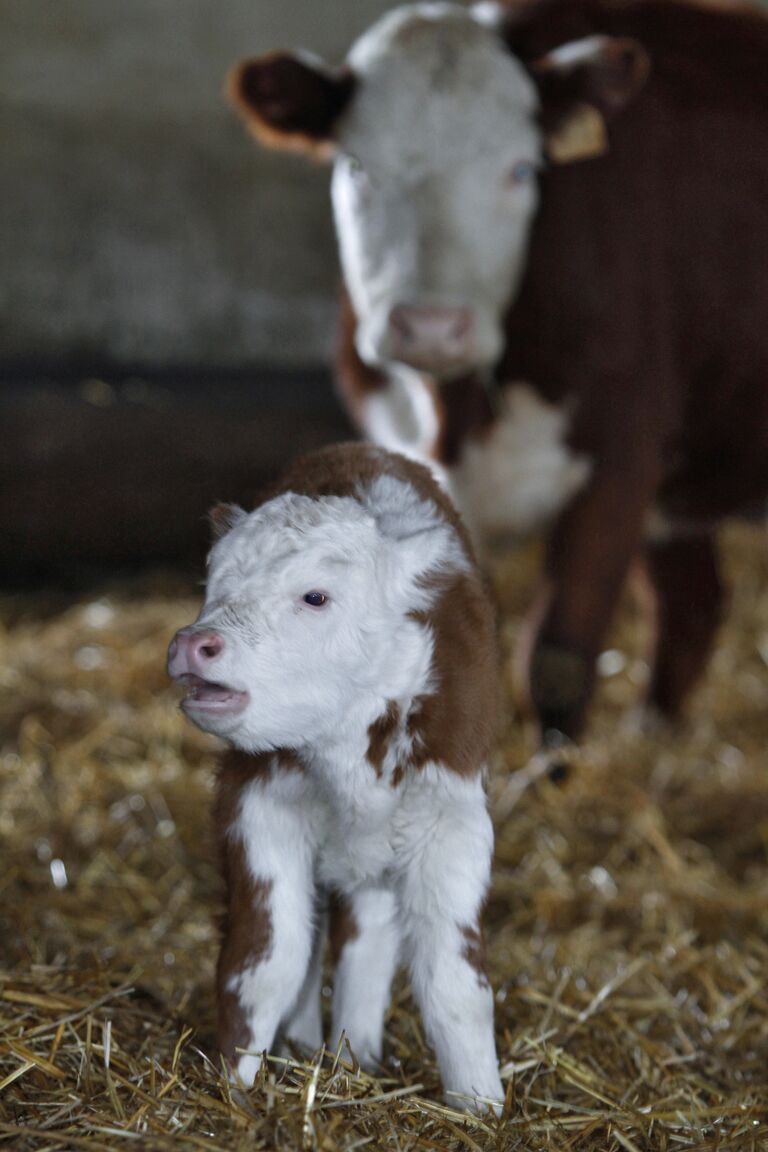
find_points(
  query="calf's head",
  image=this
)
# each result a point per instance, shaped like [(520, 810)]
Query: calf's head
[(437, 132), (308, 615)]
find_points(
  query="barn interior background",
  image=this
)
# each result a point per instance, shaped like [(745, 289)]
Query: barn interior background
[(167, 299)]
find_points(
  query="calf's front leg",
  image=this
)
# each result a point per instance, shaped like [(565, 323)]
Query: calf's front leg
[(441, 895), (268, 931)]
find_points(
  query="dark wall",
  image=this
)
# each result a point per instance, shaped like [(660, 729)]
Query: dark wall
[(118, 472), (138, 222)]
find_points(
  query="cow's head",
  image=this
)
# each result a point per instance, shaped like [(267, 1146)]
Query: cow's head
[(437, 132)]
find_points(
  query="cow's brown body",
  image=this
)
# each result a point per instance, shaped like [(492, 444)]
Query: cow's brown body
[(645, 306)]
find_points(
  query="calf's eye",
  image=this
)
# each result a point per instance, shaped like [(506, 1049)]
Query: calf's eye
[(315, 599)]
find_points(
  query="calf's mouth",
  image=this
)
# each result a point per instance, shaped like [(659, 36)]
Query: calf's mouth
[(210, 696)]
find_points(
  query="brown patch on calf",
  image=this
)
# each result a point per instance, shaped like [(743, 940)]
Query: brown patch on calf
[(343, 927), (456, 724), (474, 951), (398, 774), (247, 932), (247, 940), (223, 517), (380, 735), (342, 469)]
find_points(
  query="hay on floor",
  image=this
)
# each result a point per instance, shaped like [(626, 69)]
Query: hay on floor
[(627, 927)]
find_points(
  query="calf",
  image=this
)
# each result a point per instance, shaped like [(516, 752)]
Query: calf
[(567, 320), (346, 652)]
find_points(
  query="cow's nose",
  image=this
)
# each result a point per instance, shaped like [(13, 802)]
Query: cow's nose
[(192, 651), (427, 334)]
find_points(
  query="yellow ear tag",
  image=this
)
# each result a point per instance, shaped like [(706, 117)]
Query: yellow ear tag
[(580, 135)]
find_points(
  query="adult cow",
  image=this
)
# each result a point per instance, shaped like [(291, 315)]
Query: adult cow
[(571, 323)]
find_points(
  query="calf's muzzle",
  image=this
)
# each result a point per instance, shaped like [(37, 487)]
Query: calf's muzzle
[(193, 652)]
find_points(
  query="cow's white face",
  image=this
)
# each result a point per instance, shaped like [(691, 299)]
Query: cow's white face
[(434, 187), (435, 127)]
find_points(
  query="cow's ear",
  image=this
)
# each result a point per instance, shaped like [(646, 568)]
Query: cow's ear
[(223, 517), (582, 85), (291, 101)]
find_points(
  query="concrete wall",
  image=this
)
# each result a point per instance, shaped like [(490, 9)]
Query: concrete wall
[(138, 222)]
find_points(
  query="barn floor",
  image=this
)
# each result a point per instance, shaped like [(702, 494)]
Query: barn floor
[(627, 928)]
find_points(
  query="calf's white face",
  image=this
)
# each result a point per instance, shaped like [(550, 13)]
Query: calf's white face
[(434, 188), (307, 616)]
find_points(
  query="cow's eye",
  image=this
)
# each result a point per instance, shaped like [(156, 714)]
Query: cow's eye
[(523, 172), (315, 599)]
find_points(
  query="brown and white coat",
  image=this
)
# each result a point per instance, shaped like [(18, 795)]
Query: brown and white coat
[(566, 319), (346, 652)]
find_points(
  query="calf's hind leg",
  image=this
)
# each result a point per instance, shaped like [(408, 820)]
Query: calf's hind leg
[(441, 896), (304, 1025), (364, 943), (685, 577)]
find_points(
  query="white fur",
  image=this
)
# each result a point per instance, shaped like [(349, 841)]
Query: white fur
[(414, 862), (304, 1023), (412, 853), (271, 816), (508, 484), (446, 842), (425, 211), (402, 417), (364, 973), (516, 480)]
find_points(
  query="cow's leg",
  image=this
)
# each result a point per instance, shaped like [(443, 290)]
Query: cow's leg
[(441, 895), (685, 576), (588, 558), (364, 945), (268, 932)]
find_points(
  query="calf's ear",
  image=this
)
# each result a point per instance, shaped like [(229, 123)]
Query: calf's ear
[(290, 101), (582, 85)]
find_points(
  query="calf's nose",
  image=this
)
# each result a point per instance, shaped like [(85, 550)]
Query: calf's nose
[(423, 334), (192, 651)]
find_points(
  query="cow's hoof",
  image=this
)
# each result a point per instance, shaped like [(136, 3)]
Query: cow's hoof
[(560, 681)]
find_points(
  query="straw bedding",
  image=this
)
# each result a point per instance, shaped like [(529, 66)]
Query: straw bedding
[(626, 932)]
